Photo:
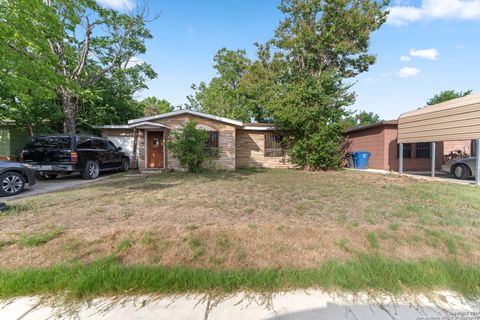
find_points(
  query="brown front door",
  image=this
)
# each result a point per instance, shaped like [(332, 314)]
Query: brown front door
[(155, 149)]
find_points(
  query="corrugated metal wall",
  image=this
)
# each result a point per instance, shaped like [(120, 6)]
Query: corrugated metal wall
[(457, 119)]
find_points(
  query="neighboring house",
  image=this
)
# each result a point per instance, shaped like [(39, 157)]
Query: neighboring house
[(12, 139), (380, 139), (239, 144)]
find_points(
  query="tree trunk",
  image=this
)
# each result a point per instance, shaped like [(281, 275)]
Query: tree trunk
[(69, 104), (30, 129)]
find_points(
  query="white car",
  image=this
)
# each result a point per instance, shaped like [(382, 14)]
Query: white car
[(463, 168)]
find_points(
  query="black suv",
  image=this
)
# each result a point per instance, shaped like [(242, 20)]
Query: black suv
[(54, 154)]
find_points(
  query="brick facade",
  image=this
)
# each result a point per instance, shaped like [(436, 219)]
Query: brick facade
[(381, 141), (250, 151), (238, 147)]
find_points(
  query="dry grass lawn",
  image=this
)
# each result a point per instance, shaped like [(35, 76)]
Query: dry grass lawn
[(244, 219)]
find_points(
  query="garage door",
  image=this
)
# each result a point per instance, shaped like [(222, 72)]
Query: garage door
[(126, 143)]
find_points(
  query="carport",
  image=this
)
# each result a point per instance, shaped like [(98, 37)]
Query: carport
[(448, 121)]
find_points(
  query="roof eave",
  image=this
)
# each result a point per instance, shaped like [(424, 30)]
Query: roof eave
[(179, 112)]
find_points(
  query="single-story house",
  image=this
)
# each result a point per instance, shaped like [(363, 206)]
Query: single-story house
[(380, 139), (239, 144), (12, 139)]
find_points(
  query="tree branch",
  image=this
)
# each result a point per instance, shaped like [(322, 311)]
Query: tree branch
[(116, 56), (84, 53)]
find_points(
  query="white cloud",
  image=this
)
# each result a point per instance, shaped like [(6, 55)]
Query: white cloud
[(408, 72), (368, 80), (431, 54), (117, 4), (435, 9), (405, 58)]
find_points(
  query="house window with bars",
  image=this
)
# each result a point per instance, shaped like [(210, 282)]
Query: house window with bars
[(423, 150), (273, 145), (407, 150), (211, 146)]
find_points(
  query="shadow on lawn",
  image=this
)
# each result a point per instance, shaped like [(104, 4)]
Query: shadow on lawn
[(162, 180), (224, 175)]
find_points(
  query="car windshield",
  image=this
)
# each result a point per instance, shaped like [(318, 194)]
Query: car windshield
[(48, 142)]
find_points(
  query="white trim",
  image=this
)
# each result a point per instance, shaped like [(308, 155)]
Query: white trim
[(195, 113), (114, 126), (145, 144), (140, 125), (164, 152), (259, 128)]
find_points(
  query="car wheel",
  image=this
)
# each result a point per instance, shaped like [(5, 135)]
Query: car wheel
[(49, 176), (461, 171), (91, 170), (11, 183), (125, 165)]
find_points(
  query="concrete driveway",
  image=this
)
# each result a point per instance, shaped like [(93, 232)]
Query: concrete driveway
[(61, 183)]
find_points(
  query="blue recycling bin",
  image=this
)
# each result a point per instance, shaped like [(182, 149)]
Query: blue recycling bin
[(360, 159)]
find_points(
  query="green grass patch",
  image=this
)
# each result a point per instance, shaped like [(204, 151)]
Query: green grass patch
[(343, 244), (223, 242), (15, 208), (37, 239), (373, 240), (364, 272), (4, 243), (394, 226), (197, 246), (124, 244)]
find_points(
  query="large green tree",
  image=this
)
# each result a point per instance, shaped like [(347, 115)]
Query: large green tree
[(447, 95), (152, 106), (223, 95), (28, 83), (362, 118), (320, 45), (79, 43)]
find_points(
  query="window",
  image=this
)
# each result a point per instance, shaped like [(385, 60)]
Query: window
[(273, 145), (111, 146), (407, 150), (212, 141), (98, 144), (83, 143), (48, 142), (422, 150), (211, 146)]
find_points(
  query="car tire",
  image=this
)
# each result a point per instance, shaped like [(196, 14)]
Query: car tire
[(125, 165), (91, 170), (461, 171), (49, 176), (11, 183)]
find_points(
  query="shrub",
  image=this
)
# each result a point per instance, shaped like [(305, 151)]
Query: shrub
[(188, 146)]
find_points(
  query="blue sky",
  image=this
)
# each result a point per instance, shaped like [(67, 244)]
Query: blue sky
[(426, 46)]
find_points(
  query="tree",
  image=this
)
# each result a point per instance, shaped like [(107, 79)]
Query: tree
[(223, 95), (82, 43), (28, 83), (447, 95), (188, 146), (319, 46), (152, 106), (363, 118)]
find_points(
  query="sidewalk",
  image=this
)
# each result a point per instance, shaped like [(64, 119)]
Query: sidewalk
[(304, 305)]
